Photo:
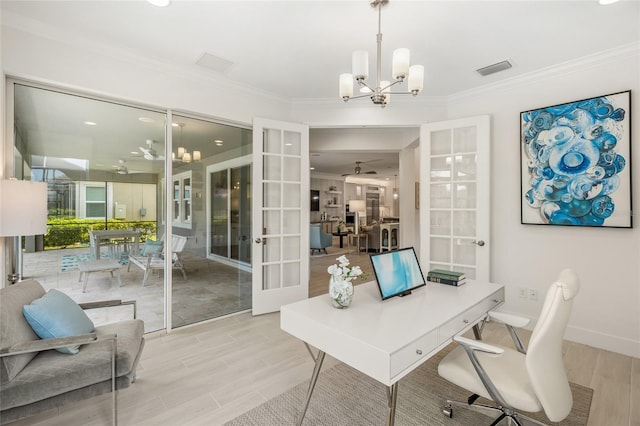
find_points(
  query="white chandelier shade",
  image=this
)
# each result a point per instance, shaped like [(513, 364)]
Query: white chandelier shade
[(380, 90)]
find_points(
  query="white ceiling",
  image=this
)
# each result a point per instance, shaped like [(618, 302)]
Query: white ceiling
[(295, 50)]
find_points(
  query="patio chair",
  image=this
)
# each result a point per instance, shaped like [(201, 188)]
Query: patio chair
[(152, 257), (93, 241)]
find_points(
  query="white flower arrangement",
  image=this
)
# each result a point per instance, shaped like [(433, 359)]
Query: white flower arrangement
[(341, 288), (343, 272)]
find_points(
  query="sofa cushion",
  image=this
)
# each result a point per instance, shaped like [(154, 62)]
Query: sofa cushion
[(52, 373), (14, 328), (56, 315)]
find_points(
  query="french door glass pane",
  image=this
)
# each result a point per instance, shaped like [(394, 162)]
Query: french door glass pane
[(441, 222), (271, 249), (290, 274), (440, 249), (441, 142), (464, 139)]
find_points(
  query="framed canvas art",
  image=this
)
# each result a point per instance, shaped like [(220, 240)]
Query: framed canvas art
[(575, 163)]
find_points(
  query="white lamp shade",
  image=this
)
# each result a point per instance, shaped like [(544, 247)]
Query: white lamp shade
[(346, 85), (400, 67), (360, 64), (181, 151), (197, 156), (416, 78), (23, 208), (386, 91), (186, 158)]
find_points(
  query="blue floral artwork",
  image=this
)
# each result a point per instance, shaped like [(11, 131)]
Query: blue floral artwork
[(576, 161)]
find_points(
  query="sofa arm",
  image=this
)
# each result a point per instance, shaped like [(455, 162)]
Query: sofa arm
[(110, 303), (47, 344)]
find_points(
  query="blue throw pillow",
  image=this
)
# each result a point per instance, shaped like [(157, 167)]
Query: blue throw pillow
[(56, 315), (151, 247)]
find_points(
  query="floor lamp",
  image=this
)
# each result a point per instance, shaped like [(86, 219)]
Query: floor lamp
[(23, 211)]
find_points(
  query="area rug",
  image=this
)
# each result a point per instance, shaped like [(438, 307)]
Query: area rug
[(70, 261), (344, 396)]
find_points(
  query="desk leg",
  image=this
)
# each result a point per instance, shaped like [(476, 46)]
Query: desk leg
[(312, 384), (477, 329), (392, 395)]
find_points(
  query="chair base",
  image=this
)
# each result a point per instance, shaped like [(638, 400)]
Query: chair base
[(503, 413)]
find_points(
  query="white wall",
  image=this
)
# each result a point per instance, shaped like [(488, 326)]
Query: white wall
[(606, 313)]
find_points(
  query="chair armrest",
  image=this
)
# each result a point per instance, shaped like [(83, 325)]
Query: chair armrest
[(48, 344), (512, 321), (477, 345), (509, 319), (473, 346), (110, 303)]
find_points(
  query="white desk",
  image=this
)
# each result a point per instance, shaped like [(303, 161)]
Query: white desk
[(386, 340)]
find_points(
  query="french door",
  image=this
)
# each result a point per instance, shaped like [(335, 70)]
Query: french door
[(454, 196), (280, 214)]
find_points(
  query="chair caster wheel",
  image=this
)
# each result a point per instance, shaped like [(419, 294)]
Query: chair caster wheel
[(448, 411)]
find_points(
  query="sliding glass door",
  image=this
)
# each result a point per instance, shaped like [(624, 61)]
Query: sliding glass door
[(107, 168), (103, 162), (230, 217), (211, 211)]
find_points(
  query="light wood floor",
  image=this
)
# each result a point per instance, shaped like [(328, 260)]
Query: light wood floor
[(210, 373)]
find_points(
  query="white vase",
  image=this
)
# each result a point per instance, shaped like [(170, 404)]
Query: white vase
[(340, 292)]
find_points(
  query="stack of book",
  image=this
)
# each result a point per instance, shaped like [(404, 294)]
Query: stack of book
[(444, 276)]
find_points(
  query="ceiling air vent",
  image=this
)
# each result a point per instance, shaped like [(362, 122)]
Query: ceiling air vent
[(492, 69), (214, 63)]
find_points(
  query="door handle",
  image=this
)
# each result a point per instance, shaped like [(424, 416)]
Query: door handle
[(479, 243), (258, 240)]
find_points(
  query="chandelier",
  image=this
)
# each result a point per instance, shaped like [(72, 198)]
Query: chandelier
[(381, 93)]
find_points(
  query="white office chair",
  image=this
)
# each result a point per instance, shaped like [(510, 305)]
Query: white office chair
[(530, 379)]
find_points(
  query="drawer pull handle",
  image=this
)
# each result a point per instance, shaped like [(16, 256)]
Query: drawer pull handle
[(466, 321), (495, 300), (419, 351)]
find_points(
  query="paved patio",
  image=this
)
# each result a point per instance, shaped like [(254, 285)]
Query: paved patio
[(211, 289)]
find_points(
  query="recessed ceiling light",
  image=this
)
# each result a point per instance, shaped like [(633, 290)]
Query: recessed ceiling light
[(90, 123), (134, 152), (312, 168), (146, 119), (175, 124), (219, 142)]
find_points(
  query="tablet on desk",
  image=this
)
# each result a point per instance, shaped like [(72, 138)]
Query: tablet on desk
[(397, 272)]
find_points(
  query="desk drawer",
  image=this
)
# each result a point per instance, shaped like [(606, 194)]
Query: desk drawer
[(413, 352), (468, 317)]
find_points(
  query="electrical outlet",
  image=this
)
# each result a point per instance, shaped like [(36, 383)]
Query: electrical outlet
[(533, 294), (522, 292)]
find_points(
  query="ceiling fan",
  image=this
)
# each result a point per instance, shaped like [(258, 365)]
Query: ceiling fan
[(358, 170), (121, 168), (149, 152)]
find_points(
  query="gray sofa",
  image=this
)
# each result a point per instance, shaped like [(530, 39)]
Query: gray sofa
[(35, 377)]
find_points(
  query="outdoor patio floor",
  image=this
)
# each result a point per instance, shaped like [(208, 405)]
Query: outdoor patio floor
[(212, 289)]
